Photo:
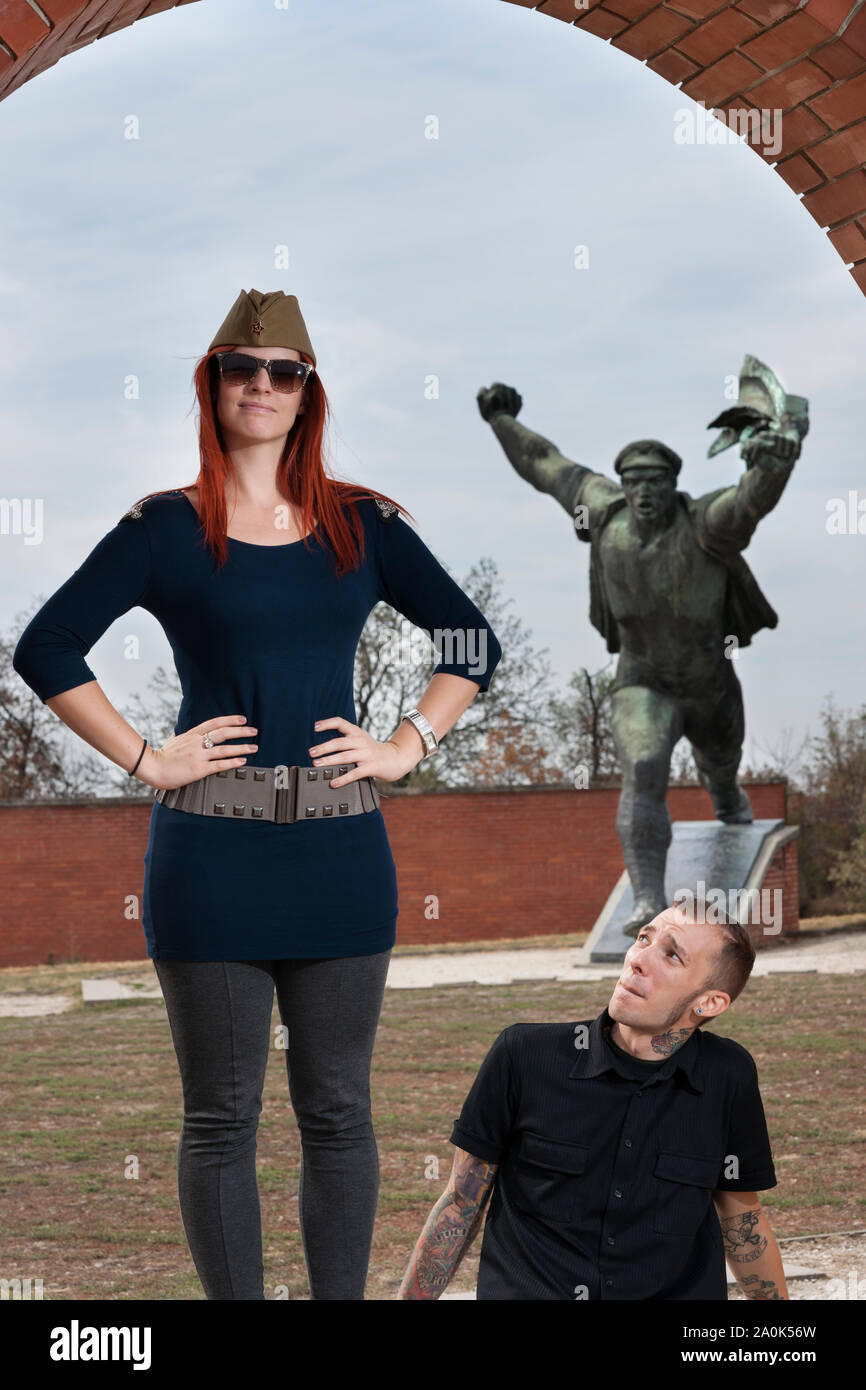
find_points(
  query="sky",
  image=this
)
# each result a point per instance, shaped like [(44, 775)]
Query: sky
[(420, 176)]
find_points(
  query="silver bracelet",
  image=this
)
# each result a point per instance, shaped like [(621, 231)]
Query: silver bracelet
[(425, 729)]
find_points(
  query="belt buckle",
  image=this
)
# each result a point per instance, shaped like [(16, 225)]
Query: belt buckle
[(285, 800)]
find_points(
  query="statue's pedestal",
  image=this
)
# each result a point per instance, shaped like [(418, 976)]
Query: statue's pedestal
[(733, 858)]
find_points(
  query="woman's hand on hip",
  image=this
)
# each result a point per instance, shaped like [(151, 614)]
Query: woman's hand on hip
[(354, 745), (183, 757)]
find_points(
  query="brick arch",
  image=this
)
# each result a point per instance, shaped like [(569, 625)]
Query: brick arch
[(805, 58)]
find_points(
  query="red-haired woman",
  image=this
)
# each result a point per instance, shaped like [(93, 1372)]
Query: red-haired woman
[(268, 864)]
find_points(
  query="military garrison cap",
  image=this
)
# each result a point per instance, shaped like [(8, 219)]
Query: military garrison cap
[(265, 320), (647, 451)]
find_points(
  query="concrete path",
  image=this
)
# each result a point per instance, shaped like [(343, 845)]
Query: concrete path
[(837, 953), (840, 953)]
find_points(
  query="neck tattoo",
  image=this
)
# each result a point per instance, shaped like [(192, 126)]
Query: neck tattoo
[(666, 1043)]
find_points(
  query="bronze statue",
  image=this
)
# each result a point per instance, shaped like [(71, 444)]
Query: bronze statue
[(671, 592)]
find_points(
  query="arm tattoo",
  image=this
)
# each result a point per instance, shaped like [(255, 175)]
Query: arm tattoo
[(472, 1178), (450, 1229), (668, 1042), (757, 1289), (742, 1242)]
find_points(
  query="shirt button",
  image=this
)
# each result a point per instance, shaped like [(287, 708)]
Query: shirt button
[(609, 1283), (617, 1193), (628, 1143), (610, 1240)]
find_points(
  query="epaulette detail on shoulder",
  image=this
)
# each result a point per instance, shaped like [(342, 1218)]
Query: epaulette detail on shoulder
[(134, 513), (387, 510)]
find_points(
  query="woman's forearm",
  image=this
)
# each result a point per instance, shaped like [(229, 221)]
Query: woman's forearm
[(88, 712), (445, 699)]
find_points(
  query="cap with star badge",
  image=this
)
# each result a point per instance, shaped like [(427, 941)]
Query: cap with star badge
[(265, 320)]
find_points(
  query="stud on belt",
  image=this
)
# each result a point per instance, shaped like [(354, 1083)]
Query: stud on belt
[(252, 793)]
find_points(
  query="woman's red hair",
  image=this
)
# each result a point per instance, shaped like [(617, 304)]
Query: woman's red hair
[(301, 474)]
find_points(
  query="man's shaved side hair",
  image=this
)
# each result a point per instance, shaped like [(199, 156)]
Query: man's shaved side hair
[(734, 958)]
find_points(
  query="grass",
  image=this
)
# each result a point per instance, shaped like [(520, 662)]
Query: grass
[(92, 1106)]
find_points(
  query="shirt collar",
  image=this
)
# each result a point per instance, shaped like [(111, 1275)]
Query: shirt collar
[(597, 1057)]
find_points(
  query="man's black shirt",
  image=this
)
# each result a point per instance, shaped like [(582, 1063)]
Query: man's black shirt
[(608, 1163)]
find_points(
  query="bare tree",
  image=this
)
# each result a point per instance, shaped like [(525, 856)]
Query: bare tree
[(514, 756), (394, 664), (154, 715), (684, 771), (848, 873), (785, 757), (583, 730), (38, 755), (830, 807)]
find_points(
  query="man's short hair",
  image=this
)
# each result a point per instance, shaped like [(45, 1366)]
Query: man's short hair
[(733, 962), (734, 958)]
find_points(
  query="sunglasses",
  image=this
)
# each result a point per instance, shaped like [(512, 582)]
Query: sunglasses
[(284, 374)]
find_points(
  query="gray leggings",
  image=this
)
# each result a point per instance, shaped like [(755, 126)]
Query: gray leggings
[(219, 1013)]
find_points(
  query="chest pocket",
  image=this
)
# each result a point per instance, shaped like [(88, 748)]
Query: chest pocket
[(684, 1187), (547, 1176)]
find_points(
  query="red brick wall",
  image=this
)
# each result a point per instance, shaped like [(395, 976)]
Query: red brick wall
[(529, 862), (804, 58), (472, 866), (782, 877), (65, 871)]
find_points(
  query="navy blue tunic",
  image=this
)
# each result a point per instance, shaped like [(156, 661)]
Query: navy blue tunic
[(272, 636)]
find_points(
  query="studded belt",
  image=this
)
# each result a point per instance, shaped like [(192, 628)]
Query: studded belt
[(253, 793)]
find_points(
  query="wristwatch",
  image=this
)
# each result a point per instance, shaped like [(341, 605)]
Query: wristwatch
[(425, 729)]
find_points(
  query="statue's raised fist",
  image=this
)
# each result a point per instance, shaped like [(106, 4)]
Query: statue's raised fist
[(498, 399), (770, 445)]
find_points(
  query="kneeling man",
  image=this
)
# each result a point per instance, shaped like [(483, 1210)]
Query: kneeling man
[(619, 1157)]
